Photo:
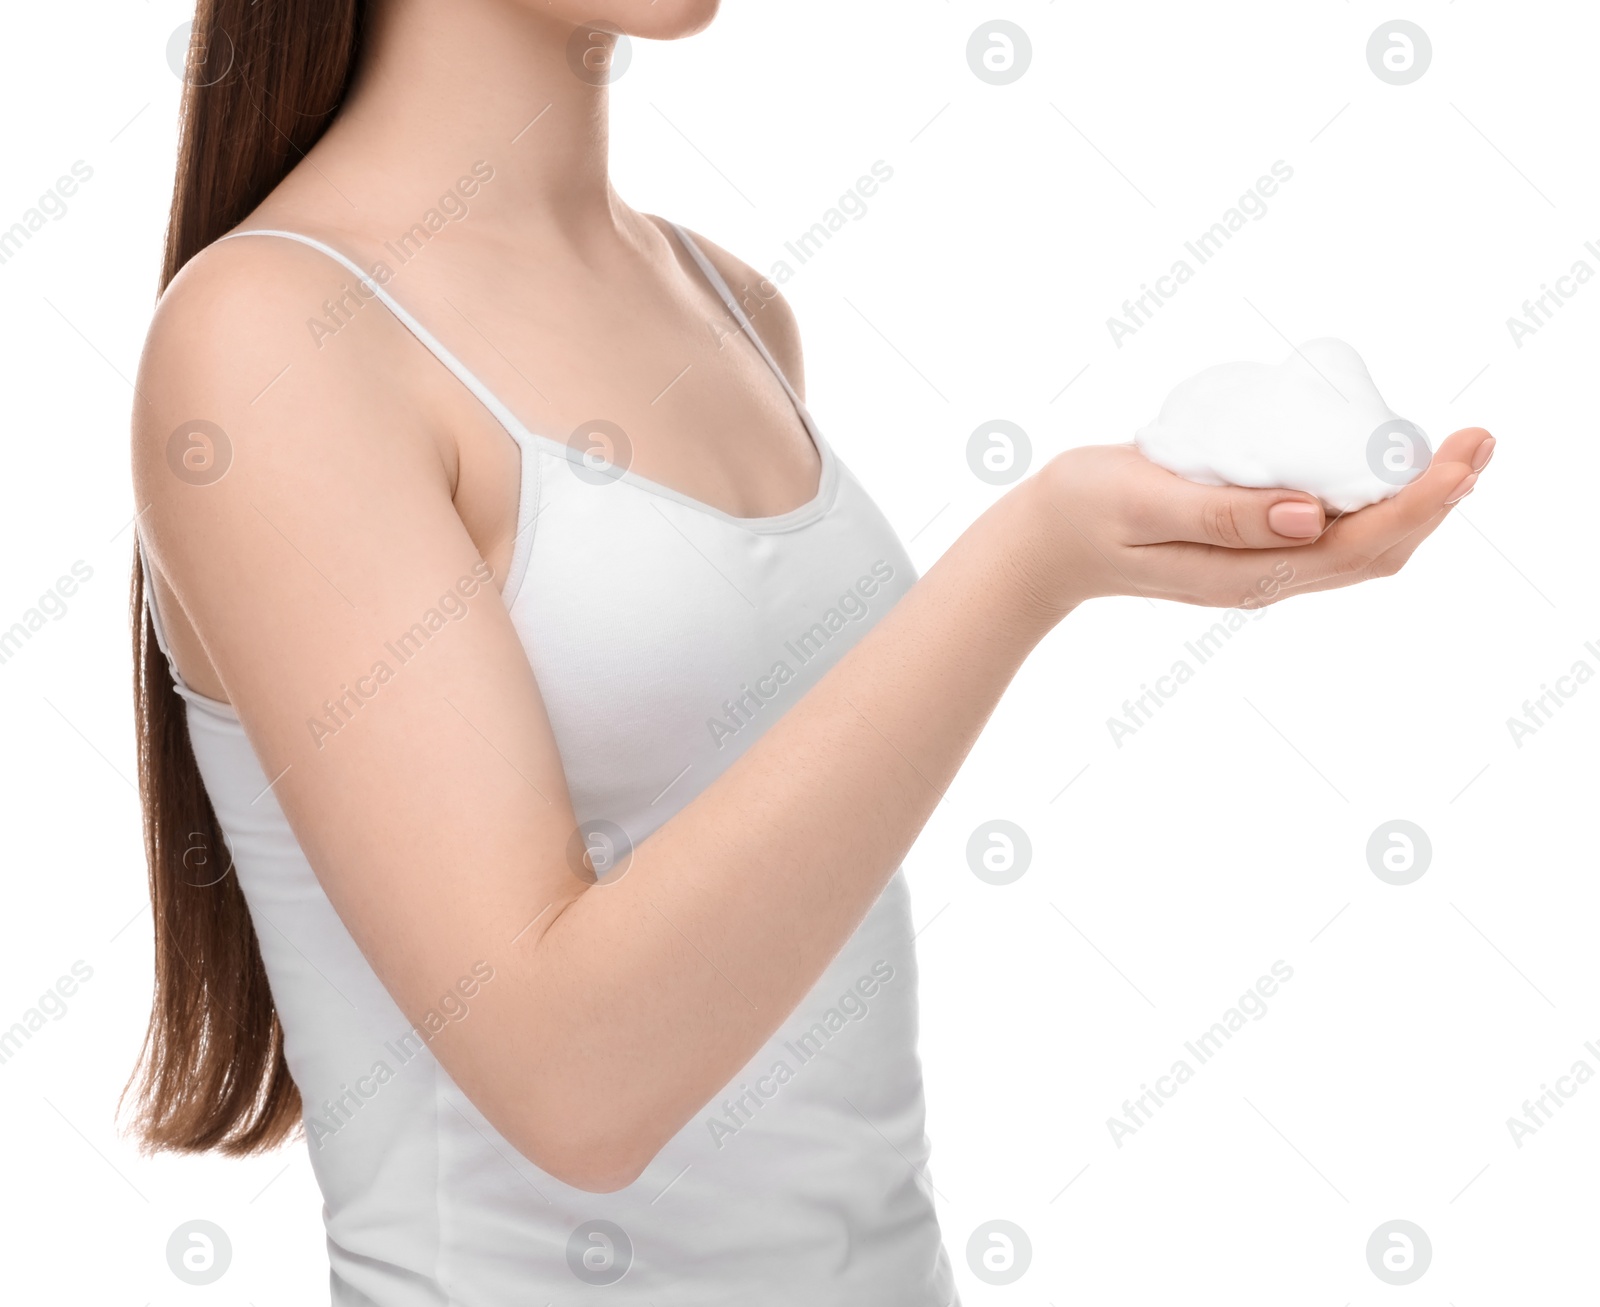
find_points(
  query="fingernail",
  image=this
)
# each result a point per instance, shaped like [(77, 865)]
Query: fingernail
[(1480, 460), (1295, 518), (1464, 489)]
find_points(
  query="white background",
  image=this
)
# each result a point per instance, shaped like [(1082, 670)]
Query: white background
[(1167, 874)]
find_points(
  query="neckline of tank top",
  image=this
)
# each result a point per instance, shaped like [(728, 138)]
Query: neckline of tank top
[(812, 510)]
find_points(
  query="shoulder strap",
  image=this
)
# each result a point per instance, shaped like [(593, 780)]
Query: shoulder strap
[(720, 285), (195, 699), (150, 604), (426, 338)]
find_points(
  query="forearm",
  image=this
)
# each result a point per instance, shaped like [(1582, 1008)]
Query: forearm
[(729, 913)]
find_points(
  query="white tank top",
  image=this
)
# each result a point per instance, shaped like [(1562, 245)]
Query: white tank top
[(666, 636)]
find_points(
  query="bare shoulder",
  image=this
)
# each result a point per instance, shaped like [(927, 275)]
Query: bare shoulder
[(261, 355), (763, 303), (235, 299)]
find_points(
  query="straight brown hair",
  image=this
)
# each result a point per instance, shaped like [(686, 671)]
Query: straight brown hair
[(263, 83)]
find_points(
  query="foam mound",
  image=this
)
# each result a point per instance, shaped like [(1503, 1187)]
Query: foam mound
[(1313, 423)]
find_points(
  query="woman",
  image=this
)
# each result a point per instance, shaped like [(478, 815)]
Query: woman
[(565, 709)]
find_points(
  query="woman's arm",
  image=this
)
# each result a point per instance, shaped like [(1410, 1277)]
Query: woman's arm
[(438, 821)]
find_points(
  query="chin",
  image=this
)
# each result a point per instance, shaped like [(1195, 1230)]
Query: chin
[(662, 20)]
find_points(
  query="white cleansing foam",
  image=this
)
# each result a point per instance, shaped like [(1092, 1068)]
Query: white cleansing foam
[(1314, 423)]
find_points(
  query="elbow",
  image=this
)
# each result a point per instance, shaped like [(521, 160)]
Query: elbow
[(585, 1125)]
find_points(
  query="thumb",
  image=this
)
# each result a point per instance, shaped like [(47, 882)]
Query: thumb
[(1234, 517)]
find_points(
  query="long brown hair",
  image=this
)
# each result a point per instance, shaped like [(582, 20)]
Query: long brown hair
[(263, 83)]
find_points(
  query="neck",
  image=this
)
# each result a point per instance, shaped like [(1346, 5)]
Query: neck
[(441, 87)]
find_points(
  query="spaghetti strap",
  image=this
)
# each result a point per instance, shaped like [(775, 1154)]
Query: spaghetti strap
[(522, 437), (532, 443), (503, 415), (150, 604), (184, 691), (487, 397), (720, 285)]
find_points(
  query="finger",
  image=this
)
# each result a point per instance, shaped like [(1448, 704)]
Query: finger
[(1232, 517), (1450, 475), (1377, 541), (1363, 568)]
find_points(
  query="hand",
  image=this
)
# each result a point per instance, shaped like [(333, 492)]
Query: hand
[(1113, 523)]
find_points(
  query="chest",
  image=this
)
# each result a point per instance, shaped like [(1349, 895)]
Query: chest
[(666, 640), (655, 378)]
